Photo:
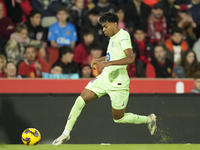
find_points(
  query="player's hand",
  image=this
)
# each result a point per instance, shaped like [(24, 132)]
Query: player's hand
[(103, 64), (94, 62)]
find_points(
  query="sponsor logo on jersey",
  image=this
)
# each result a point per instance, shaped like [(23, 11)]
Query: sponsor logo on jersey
[(68, 32), (108, 56), (62, 40)]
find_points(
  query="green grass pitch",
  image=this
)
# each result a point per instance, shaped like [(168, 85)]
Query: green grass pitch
[(104, 147)]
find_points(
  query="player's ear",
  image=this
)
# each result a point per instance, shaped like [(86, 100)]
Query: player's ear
[(116, 24)]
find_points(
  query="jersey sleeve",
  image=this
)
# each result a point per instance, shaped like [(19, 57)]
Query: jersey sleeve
[(125, 41), (74, 36), (51, 34)]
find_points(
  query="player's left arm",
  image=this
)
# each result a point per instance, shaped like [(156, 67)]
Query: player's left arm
[(129, 59)]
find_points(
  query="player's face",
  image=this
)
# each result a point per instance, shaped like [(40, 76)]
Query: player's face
[(36, 19), (30, 54), (1, 12), (139, 35), (108, 28), (86, 72), (177, 37), (197, 83), (190, 58), (56, 70), (159, 53), (11, 70), (62, 16), (157, 13)]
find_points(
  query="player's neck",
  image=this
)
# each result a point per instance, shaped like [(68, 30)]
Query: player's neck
[(62, 23), (116, 31)]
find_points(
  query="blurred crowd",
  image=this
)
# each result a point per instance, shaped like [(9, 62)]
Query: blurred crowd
[(59, 38)]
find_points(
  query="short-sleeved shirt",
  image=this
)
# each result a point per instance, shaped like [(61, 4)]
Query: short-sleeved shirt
[(62, 36), (116, 76)]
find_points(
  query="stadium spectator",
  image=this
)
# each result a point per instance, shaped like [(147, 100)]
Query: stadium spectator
[(136, 69), (160, 67), (4, 8), (157, 26), (178, 72), (142, 46), (65, 58), (195, 10), (190, 64), (18, 40), (2, 66), (186, 23), (6, 28), (96, 52), (104, 6), (82, 50), (48, 10), (176, 46), (11, 71), (151, 3), (196, 83), (31, 66), (196, 49), (68, 3), (121, 14), (170, 13), (93, 24), (62, 33), (119, 2), (136, 14), (86, 71), (18, 10), (78, 15), (35, 30), (56, 68)]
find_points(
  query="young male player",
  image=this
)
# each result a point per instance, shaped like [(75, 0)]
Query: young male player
[(113, 81)]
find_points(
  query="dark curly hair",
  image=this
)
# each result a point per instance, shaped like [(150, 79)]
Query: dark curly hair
[(108, 17), (190, 69)]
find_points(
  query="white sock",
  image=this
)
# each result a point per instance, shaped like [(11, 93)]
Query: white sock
[(66, 132), (148, 119)]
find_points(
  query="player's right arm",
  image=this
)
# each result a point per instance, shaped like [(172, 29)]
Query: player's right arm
[(96, 61)]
